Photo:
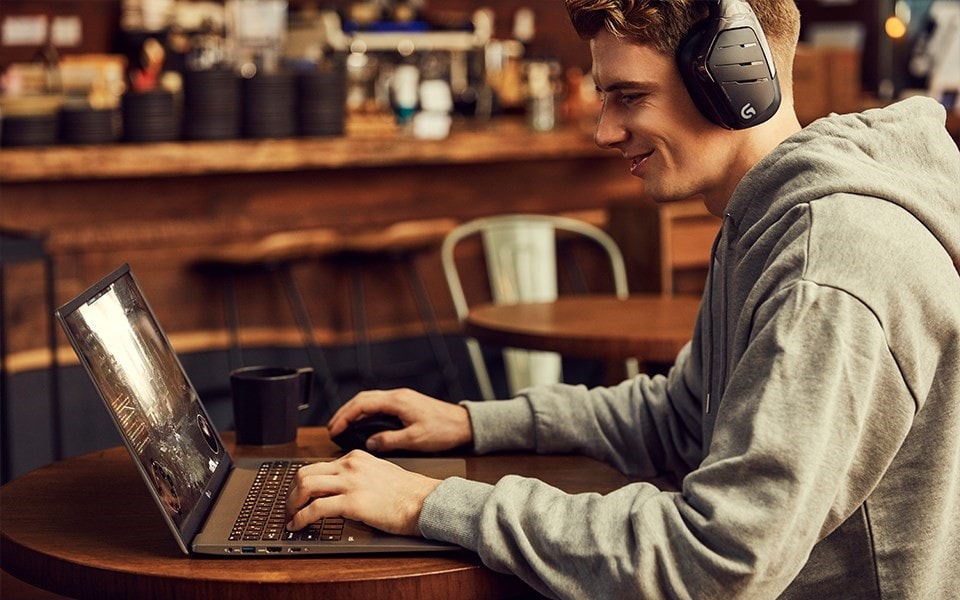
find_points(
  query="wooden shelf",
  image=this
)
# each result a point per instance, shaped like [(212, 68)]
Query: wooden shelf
[(503, 139)]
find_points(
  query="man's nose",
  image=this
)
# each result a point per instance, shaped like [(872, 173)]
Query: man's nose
[(610, 131)]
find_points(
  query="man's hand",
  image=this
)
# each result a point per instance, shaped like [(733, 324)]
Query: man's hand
[(430, 425), (361, 487)]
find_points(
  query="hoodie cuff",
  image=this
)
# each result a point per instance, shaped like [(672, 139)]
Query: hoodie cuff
[(501, 425), (452, 511)]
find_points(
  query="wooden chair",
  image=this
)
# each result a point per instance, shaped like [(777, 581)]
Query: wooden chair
[(667, 246)]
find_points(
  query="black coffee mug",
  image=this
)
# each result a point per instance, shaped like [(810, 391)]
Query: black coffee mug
[(267, 402)]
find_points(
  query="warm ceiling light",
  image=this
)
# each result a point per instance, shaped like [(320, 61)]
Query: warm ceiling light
[(895, 27)]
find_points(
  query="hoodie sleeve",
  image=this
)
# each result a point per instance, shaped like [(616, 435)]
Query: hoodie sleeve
[(645, 426)]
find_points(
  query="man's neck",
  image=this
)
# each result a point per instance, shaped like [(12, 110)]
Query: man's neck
[(759, 143)]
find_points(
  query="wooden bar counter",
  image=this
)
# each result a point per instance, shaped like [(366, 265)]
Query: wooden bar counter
[(161, 206)]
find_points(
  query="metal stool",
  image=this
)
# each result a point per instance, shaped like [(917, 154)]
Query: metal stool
[(20, 247), (400, 243), (276, 254)]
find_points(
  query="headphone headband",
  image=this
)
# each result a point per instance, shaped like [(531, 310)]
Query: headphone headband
[(727, 66)]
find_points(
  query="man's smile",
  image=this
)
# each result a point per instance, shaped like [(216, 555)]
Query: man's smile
[(637, 163)]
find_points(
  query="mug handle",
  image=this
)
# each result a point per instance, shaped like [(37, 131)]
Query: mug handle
[(306, 386)]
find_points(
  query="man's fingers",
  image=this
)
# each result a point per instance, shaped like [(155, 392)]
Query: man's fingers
[(313, 481), (318, 508), (362, 405), (312, 499), (386, 441)]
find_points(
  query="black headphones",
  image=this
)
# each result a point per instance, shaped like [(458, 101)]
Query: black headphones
[(727, 67)]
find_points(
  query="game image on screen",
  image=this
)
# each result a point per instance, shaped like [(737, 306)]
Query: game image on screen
[(150, 397)]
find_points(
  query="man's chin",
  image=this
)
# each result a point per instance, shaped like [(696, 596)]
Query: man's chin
[(660, 196)]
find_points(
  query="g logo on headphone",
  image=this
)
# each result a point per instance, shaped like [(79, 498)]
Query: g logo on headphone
[(728, 68)]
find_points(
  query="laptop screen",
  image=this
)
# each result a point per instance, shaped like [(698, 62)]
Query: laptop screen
[(152, 402)]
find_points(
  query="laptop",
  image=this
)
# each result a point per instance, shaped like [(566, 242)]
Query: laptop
[(212, 503)]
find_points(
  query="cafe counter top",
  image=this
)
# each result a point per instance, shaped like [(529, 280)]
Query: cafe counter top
[(501, 139)]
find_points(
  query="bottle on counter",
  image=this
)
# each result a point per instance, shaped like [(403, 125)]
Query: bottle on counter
[(436, 103)]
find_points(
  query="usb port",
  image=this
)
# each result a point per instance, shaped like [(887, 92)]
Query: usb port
[(248, 550)]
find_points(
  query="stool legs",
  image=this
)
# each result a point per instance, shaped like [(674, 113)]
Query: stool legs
[(56, 425), (233, 321), (315, 355), (429, 318), (5, 445), (364, 353)]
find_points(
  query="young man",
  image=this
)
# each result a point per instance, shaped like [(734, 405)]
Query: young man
[(814, 419)]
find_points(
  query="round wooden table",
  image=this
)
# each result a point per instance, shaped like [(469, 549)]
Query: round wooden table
[(86, 527), (651, 328)]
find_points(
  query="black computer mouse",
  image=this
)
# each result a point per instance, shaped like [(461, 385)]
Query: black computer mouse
[(355, 436)]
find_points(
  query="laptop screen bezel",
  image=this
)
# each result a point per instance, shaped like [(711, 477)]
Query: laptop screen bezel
[(192, 522)]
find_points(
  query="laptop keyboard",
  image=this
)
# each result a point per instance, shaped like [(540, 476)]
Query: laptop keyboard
[(263, 514)]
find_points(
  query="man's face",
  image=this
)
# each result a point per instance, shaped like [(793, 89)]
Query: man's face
[(648, 115)]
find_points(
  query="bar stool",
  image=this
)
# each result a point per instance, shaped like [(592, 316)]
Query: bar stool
[(19, 247), (276, 254), (401, 244)]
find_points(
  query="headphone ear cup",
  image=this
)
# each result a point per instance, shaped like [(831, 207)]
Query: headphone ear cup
[(695, 44), (727, 69)]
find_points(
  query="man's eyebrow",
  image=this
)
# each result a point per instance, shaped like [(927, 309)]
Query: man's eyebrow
[(634, 86)]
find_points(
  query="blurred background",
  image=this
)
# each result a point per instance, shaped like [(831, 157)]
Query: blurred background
[(493, 55)]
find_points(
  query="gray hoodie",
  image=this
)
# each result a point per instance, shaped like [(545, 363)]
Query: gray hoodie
[(814, 419)]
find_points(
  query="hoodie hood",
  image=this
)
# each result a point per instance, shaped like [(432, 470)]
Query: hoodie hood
[(901, 154)]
